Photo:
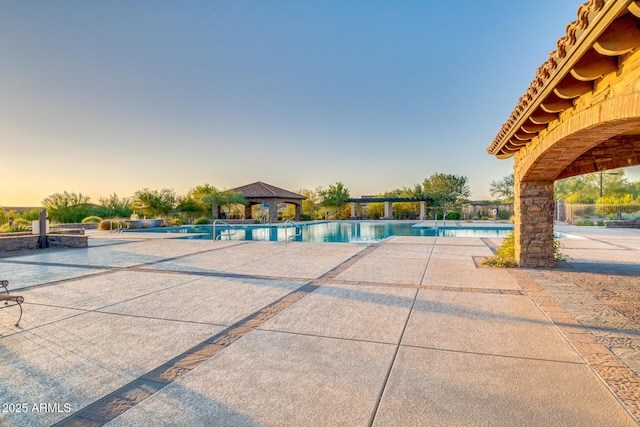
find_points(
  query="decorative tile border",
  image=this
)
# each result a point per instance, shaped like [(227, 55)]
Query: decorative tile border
[(623, 382)]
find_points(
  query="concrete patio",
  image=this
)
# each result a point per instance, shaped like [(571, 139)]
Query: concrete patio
[(153, 330)]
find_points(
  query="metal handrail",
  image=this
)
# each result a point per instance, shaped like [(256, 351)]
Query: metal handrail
[(298, 230), (232, 230)]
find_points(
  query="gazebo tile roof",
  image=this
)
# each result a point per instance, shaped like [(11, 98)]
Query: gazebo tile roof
[(261, 190)]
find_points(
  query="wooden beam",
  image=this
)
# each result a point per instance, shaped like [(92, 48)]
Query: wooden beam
[(634, 8), (622, 36), (593, 65), (570, 88), (531, 127), (541, 117), (554, 104), (522, 136)]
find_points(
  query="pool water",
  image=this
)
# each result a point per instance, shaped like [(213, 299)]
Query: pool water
[(331, 231)]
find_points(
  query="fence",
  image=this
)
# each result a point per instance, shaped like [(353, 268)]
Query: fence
[(572, 213)]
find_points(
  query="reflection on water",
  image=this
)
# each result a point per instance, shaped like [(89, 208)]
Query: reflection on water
[(333, 231)]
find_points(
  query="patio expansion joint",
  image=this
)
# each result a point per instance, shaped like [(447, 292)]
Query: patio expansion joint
[(119, 401), (618, 378), (503, 356), (330, 337), (376, 409)]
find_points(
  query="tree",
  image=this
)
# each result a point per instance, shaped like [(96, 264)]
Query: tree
[(199, 193), (335, 196), (154, 203), (311, 203), (67, 207), (189, 205), (446, 190), (226, 197), (114, 206), (503, 189), (588, 188)]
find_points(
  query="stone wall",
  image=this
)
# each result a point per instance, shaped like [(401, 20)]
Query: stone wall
[(623, 224), (67, 241), (23, 241), (18, 243)]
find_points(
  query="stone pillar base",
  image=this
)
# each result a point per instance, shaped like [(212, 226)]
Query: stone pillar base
[(534, 208)]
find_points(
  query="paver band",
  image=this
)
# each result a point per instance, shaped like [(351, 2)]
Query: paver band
[(121, 400)]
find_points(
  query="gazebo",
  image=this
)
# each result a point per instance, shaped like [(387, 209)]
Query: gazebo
[(260, 193)]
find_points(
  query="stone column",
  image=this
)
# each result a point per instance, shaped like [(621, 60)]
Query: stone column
[(353, 210), (298, 210), (423, 210), (533, 229), (388, 211), (273, 211)]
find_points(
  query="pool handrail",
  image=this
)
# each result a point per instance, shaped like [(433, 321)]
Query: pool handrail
[(297, 227), (232, 230)]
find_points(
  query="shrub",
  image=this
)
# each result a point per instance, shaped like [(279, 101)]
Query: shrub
[(91, 219), (584, 223), (19, 222), (558, 256), (176, 221), (506, 253), (201, 221), (601, 223), (111, 224), (508, 248), (495, 261), (455, 215), (16, 228), (504, 214), (305, 217)]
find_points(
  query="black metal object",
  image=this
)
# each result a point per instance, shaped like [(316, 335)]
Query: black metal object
[(6, 297), (42, 240)]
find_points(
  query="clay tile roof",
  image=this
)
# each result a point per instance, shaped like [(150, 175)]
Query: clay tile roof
[(261, 190), (593, 18)]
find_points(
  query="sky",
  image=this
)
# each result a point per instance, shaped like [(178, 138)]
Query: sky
[(103, 97)]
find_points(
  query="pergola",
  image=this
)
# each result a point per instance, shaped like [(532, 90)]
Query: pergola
[(260, 193), (356, 205), (581, 114)]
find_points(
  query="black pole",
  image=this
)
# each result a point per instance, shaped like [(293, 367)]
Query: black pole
[(42, 240)]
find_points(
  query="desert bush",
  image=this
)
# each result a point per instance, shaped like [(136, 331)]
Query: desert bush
[(16, 228), (176, 222), (585, 223), (504, 214), (201, 221), (91, 219), (111, 224), (506, 253)]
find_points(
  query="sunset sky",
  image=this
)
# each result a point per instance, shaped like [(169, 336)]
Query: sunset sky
[(101, 97)]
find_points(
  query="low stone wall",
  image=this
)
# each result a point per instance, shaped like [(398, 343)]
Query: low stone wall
[(623, 224), (75, 226), (67, 241), (75, 231), (18, 243), (24, 241)]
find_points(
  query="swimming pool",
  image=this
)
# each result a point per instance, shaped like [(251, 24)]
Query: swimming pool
[(331, 231)]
